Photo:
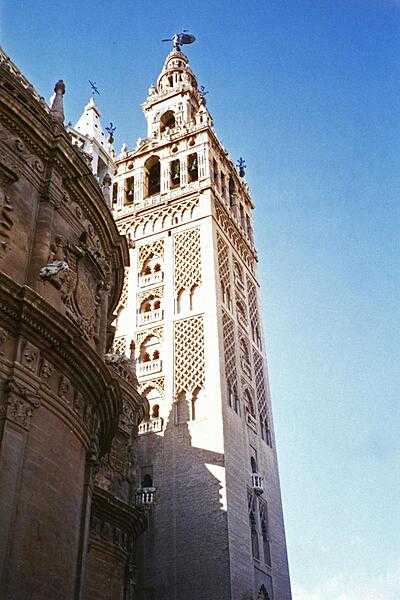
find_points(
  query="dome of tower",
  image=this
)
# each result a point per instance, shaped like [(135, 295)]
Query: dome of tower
[(176, 72)]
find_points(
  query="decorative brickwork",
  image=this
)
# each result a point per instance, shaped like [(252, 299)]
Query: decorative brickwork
[(159, 219), (119, 345), (189, 354), (187, 252), (223, 261), (260, 383), (147, 251), (228, 328)]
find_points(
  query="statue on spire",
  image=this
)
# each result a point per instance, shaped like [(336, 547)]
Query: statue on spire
[(179, 39)]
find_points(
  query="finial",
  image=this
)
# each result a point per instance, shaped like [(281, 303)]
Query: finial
[(178, 39), (110, 129), (57, 107), (241, 166), (94, 88)]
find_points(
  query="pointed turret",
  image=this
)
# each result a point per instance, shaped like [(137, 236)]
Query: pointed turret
[(175, 101), (89, 124), (90, 138), (57, 106)]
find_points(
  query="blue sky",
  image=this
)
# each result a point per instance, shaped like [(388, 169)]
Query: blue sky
[(308, 92)]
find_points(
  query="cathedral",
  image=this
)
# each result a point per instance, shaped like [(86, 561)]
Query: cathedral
[(137, 449)]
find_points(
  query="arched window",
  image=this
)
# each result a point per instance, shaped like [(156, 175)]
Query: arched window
[(157, 268), (149, 349), (183, 301), (155, 413), (263, 594), (253, 465), (254, 536), (230, 395), (265, 540), (232, 192), (152, 176), (194, 297), (167, 121), (157, 304)]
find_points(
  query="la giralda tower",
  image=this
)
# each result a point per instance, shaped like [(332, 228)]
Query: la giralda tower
[(190, 312)]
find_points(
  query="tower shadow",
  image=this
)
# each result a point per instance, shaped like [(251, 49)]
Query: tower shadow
[(184, 552)]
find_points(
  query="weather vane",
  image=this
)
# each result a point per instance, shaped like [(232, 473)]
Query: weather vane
[(241, 166), (203, 92), (110, 129), (179, 39), (94, 88)]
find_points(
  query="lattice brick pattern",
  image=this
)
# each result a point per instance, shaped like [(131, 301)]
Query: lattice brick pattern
[(187, 259), (253, 308), (156, 248), (223, 260), (124, 295), (260, 383), (189, 354), (228, 330), (119, 345)]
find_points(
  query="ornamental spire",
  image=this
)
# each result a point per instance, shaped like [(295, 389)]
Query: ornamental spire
[(57, 106)]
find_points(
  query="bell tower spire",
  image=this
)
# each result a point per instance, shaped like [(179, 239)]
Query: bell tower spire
[(175, 101)]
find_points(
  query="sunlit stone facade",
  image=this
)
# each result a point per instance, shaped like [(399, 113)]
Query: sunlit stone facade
[(190, 314)]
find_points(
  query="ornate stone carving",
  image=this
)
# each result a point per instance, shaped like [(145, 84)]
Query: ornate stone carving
[(51, 270), (46, 370), (6, 221), (228, 332), (30, 356), (19, 403), (65, 390), (4, 335), (123, 367), (19, 148)]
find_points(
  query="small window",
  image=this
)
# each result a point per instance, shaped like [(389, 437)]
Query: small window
[(253, 465), (232, 192), (175, 173), (152, 176), (215, 172), (156, 411), (128, 191), (147, 481), (193, 169), (222, 178), (167, 121), (115, 193)]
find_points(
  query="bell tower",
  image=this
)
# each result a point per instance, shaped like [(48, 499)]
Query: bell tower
[(190, 313)]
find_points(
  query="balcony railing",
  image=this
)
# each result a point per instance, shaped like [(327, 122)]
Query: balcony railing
[(257, 483), (150, 316), (251, 421), (151, 279), (145, 497), (151, 366), (152, 426)]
